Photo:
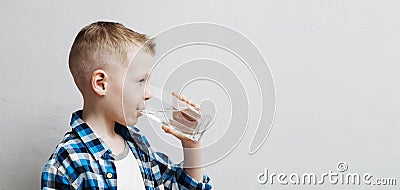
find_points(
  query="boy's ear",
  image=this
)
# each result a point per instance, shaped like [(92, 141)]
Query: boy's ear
[(99, 82)]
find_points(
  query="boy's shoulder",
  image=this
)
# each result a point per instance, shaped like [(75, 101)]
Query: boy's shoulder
[(70, 150), (69, 163)]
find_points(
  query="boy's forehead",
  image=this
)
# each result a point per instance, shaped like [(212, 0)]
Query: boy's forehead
[(141, 62)]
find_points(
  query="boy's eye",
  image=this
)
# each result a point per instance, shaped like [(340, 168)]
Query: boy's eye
[(141, 80)]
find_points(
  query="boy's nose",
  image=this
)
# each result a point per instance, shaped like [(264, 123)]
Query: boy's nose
[(147, 95)]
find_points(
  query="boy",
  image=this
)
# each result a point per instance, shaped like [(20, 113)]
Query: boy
[(104, 150)]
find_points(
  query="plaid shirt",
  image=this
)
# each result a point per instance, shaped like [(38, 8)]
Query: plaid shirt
[(83, 161)]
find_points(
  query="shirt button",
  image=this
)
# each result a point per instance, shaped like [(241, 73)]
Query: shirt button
[(109, 175)]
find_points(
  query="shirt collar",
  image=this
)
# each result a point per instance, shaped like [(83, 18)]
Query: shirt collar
[(97, 147)]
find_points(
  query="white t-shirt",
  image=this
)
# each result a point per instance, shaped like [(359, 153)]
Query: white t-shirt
[(128, 172)]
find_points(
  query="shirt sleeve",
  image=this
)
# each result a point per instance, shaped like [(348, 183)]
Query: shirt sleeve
[(54, 178), (175, 177)]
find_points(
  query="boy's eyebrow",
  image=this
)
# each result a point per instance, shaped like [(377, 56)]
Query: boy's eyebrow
[(145, 75)]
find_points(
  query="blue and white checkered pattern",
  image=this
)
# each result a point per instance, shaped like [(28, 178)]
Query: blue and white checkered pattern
[(83, 161)]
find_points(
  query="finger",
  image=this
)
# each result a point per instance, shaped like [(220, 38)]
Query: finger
[(191, 103), (179, 96), (184, 99), (175, 94)]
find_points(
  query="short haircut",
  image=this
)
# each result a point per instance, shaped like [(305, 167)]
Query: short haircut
[(100, 45)]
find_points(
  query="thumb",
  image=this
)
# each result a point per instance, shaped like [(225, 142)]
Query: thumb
[(174, 133)]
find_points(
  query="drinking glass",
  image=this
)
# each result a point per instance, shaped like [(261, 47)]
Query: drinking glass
[(171, 110)]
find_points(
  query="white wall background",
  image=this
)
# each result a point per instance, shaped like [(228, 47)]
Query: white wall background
[(335, 64)]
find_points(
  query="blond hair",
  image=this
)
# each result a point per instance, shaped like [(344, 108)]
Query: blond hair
[(100, 45)]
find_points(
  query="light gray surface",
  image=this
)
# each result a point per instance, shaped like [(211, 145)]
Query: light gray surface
[(335, 65)]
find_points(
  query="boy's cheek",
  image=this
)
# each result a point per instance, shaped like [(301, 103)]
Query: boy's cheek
[(130, 106)]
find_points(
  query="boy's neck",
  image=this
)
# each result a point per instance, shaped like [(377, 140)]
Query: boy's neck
[(104, 129), (99, 123)]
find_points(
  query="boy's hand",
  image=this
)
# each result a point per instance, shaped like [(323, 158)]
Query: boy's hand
[(186, 120), (186, 142)]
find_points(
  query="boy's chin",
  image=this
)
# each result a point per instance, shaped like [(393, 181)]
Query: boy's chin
[(131, 121)]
